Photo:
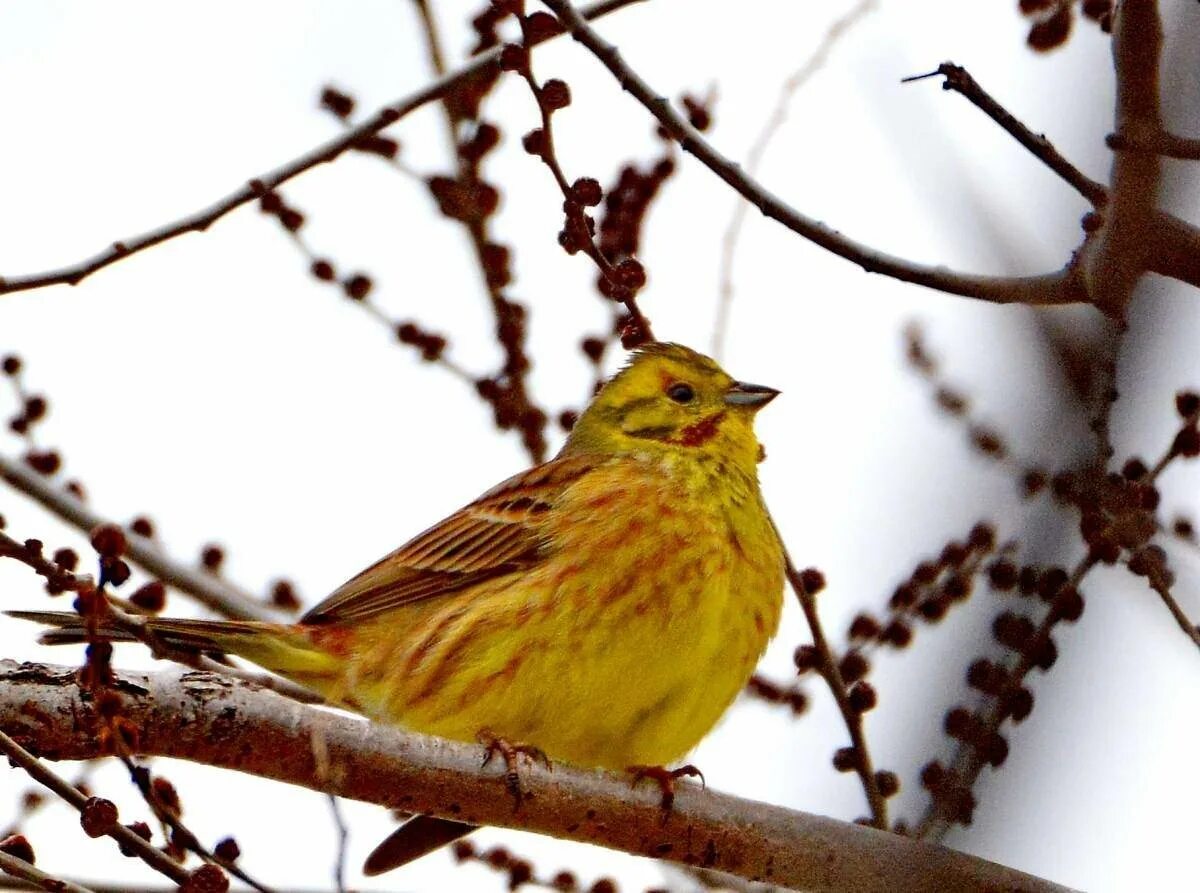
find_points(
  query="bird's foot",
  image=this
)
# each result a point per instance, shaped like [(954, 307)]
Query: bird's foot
[(494, 745), (665, 779)]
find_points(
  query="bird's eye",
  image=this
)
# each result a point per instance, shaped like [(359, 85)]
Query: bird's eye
[(681, 393)]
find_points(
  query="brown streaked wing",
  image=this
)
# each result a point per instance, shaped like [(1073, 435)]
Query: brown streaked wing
[(499, 533)]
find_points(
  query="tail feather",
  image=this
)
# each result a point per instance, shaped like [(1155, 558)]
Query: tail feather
[(417, 837), (281, 648)]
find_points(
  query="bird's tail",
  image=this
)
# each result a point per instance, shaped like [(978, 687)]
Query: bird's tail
[(282, 648), (415, 838)]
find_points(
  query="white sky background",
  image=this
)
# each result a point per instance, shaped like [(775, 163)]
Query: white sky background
[(214, 385)]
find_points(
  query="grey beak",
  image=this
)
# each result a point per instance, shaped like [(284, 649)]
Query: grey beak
[(742, 393)]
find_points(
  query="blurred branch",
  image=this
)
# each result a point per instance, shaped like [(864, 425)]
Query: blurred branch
[(959, 80), (201, 220), (478, 227), (19, 756), (795, 81), (1178, 254), (1061, 287), (1122, 248), (222, 597), (38, 880), (1160, 143), (212, 720)]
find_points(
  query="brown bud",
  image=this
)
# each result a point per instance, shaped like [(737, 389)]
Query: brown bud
[(151, 597), (555, 95), (98, 816), (108, 540), (17, 846), (514, 57)]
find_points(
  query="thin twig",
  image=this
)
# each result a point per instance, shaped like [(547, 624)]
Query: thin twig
[(959, 80), (832, 674), (587, 241), (38, 879), (201, 220), (343, 841), (129, 840), (791, 86), (478, 228), (214, 593), (1060, 287), (969, 761), (219, 722)]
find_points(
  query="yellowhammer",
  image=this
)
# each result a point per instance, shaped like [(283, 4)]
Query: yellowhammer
[(606, 606)]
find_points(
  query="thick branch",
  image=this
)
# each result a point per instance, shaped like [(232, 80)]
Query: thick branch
[(1177, 251), (222, 597), (1061, 287), (1161, 143), (1122, 249), (209, 719), (201, 220)]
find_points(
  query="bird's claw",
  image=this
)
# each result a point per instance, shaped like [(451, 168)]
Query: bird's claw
[(665, 779), (511, 754)]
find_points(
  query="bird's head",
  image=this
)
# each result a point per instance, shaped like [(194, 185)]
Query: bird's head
[(671, 399)]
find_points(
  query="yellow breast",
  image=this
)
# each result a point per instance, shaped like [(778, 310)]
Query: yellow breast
[(662, 589)]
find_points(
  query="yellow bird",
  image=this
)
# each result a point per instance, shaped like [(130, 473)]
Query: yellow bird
[(606, 606)]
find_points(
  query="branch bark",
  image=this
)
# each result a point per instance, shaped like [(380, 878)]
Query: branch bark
[(201, 220), (220, 722)]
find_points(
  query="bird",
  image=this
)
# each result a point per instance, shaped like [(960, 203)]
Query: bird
[(603, 608)]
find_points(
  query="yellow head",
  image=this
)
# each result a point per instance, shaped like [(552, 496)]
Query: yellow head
[(672, 400)]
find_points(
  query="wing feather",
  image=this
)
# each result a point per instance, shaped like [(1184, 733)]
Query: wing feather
[(501, 532)]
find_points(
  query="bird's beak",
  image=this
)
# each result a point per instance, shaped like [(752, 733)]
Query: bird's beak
[(756, 396)]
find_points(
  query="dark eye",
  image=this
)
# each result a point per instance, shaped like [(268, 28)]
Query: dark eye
[(681, 393)]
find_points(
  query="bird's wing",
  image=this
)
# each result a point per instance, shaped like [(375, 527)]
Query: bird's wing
[(500, 532)]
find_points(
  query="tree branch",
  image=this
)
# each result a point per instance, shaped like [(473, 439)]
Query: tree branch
[(832, 674), (1121, 250), (220, 596), (19, 756), (1061, 287), (212, 720), (959, 80), (1162, 143), (798, 78), (201, 220), (38, 879), (1177, 252)]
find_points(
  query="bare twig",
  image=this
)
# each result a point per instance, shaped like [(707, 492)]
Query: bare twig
[(1061, 287), (212, 720), (959, 80), (38, 879), (214, 593), (343, 839), (549, 155), (832, 674), (478, 228), (201, 220), (19, 756), (795, 81), (969, 761)]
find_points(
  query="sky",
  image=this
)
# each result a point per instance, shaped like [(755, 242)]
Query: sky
[(212, 384)]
